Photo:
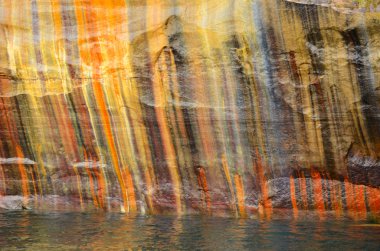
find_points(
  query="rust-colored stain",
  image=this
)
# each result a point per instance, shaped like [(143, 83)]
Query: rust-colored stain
[(293, 196), (240, 194), (191, 106), (202, 182), (318, 192)]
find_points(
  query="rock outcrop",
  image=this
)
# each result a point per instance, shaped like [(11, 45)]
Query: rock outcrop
[(182, 106)]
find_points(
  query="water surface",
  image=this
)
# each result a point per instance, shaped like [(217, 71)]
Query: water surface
[(26, 230)]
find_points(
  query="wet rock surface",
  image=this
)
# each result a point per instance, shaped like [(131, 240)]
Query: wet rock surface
[(233, 107)]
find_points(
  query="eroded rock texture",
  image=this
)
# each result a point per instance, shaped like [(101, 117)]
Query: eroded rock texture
[(190, 106)]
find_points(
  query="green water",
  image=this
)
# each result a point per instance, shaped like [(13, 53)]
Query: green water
[(24, 230)]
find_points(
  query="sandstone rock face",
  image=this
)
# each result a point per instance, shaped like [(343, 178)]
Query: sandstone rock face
[(191, 106)]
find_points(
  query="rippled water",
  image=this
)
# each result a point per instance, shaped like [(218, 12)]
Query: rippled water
[(25, 230)]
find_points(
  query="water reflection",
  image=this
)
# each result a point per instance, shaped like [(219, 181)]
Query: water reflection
[(101, 231)]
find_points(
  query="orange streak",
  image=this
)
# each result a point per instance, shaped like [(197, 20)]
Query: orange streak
[(23, 173), (66, 128), (336, 195), (98, 93), (264, 190), (374, 199), (302, 185), (34, 183), (94, 58), (160, 100), (350, 199), (148, 181), (293, 196), (101, 184), (101, 188), (61, 128), (2, 182), (202, 181), (318, 192), (240, 194), (360, 201), (131, 191), (165, 132), (79, 186), (229, 181), (176, 95), (92, 188)]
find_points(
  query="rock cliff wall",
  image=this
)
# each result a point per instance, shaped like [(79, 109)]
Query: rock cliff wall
[(190, 106)]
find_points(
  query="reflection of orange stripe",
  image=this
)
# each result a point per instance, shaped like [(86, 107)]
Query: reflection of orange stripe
[(240, 194), (23, 173), (293, 196)]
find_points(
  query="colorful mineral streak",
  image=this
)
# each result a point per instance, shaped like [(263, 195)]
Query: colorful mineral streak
[(176, 106)]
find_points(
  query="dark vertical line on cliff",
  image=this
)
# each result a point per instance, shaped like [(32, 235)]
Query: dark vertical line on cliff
[(23, 138), (75, 121), (37, 44), (357, 45), (72, 58), (315, 44)]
